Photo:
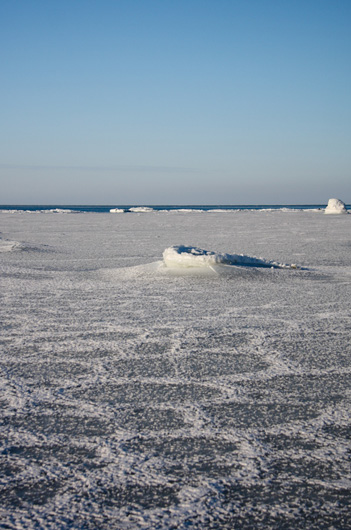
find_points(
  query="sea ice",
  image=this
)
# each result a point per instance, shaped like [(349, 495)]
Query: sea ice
[(117, 210), (135, 396), (182, 256), (335, 206)]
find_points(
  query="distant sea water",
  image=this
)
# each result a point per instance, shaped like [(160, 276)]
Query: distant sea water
[(57, 208)]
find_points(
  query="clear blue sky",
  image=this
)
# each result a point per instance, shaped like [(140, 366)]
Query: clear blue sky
[(175, 101)]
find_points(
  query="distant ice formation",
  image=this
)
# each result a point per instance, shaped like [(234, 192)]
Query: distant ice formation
[(117, 210), (182, 256), (335, 206), (141, 209)]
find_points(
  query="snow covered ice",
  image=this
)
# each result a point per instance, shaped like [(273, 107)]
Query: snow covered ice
[(135, 398)]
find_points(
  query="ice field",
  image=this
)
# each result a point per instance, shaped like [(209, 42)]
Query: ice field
[(140, 396)]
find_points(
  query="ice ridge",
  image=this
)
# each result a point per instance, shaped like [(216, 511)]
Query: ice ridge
[(187, 256)]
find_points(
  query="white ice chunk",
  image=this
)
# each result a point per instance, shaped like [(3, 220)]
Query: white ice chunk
[(141, 209), (53, 210), (335, 206), (117, 210), (184, 256)]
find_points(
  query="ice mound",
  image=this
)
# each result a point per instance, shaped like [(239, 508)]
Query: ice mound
[(181, 256), (8, 246), (335, 206), (141, 209), (52, 210), (117, 210)]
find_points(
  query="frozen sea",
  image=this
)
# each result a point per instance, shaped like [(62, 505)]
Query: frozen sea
[(138, 397)]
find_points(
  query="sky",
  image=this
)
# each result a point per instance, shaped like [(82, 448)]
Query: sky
[(175, 101)]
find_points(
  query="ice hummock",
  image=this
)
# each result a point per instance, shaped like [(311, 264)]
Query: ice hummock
[(141, 209), (180, 256), (134, 209), (335, 206), (8, 246)]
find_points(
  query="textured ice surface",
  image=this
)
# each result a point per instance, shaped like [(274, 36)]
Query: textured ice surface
[(335, 206), (132, 398)]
